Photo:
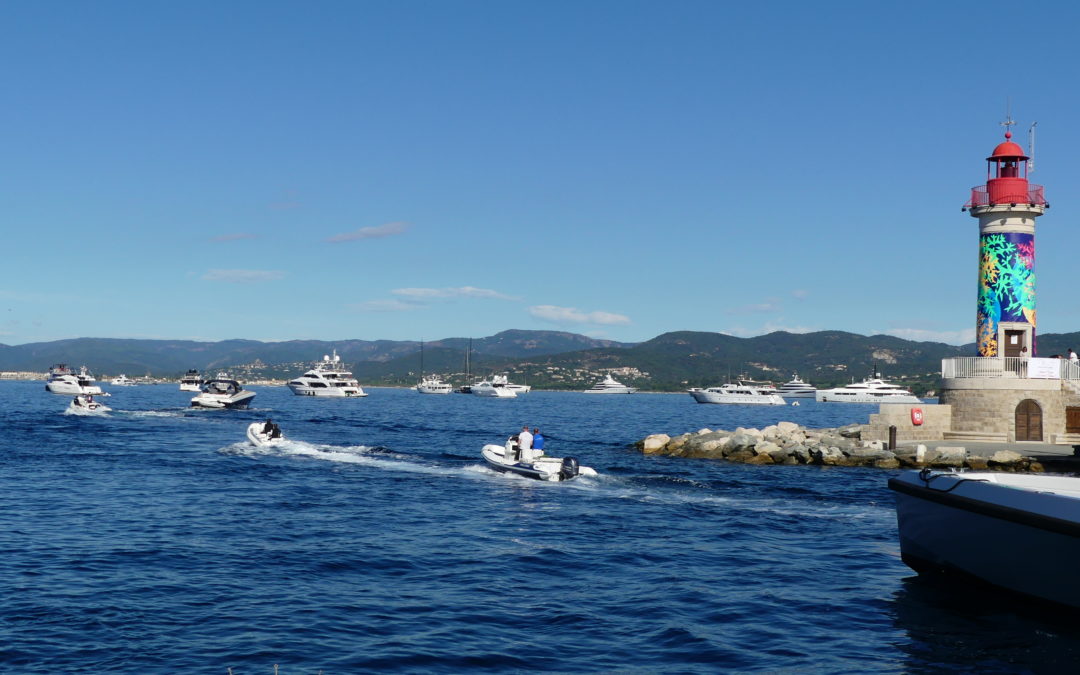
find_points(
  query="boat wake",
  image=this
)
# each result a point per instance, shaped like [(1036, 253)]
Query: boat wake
[(83, 412), (373, 456)]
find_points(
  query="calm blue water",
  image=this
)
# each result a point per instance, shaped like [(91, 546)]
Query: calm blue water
[(156, 540)]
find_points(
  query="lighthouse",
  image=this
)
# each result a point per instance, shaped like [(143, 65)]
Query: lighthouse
[(1006, 206)]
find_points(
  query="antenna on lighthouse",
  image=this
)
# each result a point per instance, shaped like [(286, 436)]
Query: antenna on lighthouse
[(1009, 121), (1031, 147)]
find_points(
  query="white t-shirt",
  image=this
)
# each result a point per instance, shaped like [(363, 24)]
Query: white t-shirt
[(525, 440), (1073, 357)]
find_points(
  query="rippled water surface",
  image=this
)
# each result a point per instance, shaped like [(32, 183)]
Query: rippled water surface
[(155, 539)]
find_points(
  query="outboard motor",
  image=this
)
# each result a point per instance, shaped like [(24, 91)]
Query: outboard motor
[(569, 468)]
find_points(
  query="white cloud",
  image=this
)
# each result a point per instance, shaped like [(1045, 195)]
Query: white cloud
[(242, 276), (760, 308), (385, 306), (949, 337), (235, 236), (572, 315), (443, 293), (386, 230), (800, 293)]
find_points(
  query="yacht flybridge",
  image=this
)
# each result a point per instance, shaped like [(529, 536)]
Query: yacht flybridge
[(609, 385), (329, 379), (870, 390), (62, 380)]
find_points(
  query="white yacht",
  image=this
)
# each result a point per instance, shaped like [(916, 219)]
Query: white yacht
[(222, 392), (493, 388), (870, 390), (740, 394), (503, 381), (796, 388), (191, 381), (432, 384), (328, 378), (122, 380), (1019, 532), (609, 385), (62, 380)]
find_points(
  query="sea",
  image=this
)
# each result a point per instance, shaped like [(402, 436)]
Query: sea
[(155, 539)]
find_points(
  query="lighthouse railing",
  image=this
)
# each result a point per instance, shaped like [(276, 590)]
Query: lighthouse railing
[(1009, 367), (980, 196)]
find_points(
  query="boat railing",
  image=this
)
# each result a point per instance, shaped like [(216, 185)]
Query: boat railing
[(1009, 367)]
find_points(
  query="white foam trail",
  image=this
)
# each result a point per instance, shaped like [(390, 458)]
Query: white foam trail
[(356, 454)]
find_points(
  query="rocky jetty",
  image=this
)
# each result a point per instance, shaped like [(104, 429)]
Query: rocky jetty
[(790, 443)]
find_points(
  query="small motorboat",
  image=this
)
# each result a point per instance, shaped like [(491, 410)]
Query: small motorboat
[(85, 403), (258, 435), (1019, 532), (222, 392), (532, 463)]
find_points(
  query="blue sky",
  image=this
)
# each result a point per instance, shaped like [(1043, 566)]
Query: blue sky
[(420, 170)]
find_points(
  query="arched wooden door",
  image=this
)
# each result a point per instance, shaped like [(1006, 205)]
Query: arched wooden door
[(1028, 421)]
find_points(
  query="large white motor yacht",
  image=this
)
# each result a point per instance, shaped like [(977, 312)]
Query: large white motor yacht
[(122, 380), (62, 381), (1020, 532), (741, 393), (328, 378), (609, 385), (222, 392), (871, 390), (493, 389), (503, 381), (191, 381), (797, 388), (432, 384)]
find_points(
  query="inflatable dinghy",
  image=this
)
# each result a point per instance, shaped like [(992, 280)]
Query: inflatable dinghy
[(508, 459)]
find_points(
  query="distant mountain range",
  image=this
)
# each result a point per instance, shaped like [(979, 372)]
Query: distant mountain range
[(544, 359)]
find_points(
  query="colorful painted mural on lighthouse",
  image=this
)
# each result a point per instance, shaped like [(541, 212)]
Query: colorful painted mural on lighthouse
[(1006, 285)]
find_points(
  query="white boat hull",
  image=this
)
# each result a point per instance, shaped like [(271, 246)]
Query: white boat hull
[(219, 401), (492, 392), (540, 468), (189, 387), (828, 396), (328, 392), (256, 436), (614, 390), (72, 388), (87, 408), (704, 396), (804, 393), (434, 390), (1020, 532)]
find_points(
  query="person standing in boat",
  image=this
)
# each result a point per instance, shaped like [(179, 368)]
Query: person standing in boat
[(537, 441), (525, 440)]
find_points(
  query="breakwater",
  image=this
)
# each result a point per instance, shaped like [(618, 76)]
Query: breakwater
[(791, 444)]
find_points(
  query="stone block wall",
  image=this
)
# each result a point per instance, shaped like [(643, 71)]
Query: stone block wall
[(937, 419), (994, 410)]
